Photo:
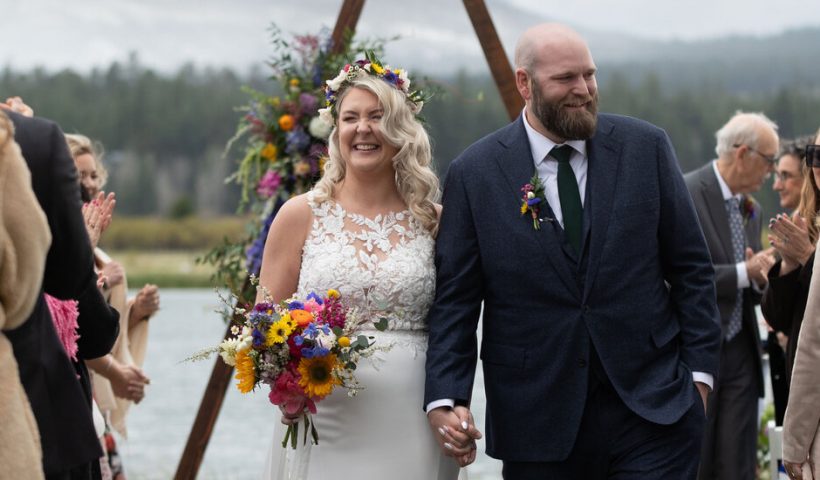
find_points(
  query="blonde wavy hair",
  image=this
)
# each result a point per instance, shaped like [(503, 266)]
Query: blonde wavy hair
[(416, 181), (810, 199), (81, 145)]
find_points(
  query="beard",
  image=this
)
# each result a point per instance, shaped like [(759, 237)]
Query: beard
[(575, 125)]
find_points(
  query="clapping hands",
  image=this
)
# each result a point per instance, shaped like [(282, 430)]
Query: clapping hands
[(758, 265), (790, 237), (97, 215)]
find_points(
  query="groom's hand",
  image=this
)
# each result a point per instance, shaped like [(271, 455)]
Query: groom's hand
[(703, 389), (455, 432)]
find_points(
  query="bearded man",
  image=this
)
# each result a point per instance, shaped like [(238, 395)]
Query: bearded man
[(600, 328)]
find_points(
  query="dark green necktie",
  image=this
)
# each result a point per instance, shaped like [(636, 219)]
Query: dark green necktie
[(569, 196)]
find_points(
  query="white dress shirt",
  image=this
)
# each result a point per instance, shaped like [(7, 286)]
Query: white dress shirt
[(742, 274)]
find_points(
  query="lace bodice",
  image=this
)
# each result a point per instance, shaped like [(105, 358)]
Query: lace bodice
[(383, 266)]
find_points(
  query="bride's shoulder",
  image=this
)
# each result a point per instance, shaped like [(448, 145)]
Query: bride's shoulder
[(295, 212)]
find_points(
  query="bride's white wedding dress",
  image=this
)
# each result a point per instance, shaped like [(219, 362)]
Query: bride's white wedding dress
[(384, 267)]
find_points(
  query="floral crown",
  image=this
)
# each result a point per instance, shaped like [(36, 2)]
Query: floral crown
[(370, 65)]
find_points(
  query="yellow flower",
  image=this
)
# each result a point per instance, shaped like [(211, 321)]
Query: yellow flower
[(286, 122), (344, 342), (317, 377), (269, 152), (294, 82), (333, 293), (377, 68), (279, 331), (322, 161), (523, 208), (245, 372), (275, 101)]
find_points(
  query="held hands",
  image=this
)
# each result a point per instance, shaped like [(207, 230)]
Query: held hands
[(790, 237), (455, 432), (758, 265), (127, 381)]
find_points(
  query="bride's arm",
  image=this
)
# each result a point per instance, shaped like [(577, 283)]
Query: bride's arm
[(282, 257)]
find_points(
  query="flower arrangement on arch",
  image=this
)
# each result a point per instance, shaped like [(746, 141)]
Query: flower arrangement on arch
[(302, 349)]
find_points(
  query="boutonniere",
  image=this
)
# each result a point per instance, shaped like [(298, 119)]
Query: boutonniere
[(532, 199), (747, 208)]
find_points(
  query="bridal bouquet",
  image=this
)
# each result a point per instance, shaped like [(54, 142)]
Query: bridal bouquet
[(302, 349)]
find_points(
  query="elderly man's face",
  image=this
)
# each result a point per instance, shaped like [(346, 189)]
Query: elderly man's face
[(756, 162)]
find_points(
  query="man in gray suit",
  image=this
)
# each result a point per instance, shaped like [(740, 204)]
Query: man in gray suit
[(731, 222)]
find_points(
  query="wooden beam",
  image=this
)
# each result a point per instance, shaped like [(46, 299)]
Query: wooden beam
[(496, 58), (346, 22), (205, 420)]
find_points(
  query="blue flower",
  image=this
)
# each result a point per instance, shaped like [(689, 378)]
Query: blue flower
[(534, 201), (312, 295), (296, 305), (258, 338), (298, 340), (296, 141)]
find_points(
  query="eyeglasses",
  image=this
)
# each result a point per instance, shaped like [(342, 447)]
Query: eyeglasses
[(785, 176), (770, 159), (813, 155)]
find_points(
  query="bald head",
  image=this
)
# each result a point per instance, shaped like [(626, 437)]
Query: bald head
[(543, 42)]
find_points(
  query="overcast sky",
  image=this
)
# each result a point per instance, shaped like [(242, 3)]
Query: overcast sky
[(80, 34)]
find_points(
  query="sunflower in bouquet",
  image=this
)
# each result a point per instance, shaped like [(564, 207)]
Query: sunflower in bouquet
[(302, 349)]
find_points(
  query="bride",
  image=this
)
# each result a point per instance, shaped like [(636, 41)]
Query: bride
[(367, 230)]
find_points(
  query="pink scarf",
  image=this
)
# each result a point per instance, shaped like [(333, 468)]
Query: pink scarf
[(64, 313)]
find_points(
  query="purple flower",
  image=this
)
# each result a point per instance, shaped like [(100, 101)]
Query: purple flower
[(296, 305), (308, 104), (317, 298), (296, 140), (253, 258), (534, 201)]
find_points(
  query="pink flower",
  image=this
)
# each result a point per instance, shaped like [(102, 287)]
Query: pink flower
[(312, 306), (287, 393), (269, 184)]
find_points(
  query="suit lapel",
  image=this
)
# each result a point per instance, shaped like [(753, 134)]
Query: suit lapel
[(716, 206), (518, 169), (604, 160)]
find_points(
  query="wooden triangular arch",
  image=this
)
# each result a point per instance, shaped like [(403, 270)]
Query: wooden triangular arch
[(348, 18)]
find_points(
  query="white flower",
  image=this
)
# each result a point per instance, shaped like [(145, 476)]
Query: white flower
[(415, 107), (405, 79), (227, 350), (530, 195), (367, 66), (326, 340), (245, 340), (319, 126), (337, 82), (235, 329)]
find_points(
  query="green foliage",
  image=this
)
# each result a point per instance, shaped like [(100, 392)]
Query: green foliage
[(153, 233), (182, 208), (763, 453)]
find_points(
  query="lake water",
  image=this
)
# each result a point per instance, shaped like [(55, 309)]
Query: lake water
[(159, 426)]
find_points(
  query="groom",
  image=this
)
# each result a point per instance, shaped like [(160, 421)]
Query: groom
[(600, 329)]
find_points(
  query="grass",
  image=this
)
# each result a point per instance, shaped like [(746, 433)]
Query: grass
[(165, 268)]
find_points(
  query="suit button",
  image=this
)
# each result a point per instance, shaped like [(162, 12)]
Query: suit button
[(582, 363)]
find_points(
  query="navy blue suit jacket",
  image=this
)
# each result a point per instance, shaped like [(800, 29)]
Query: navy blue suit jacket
[(646, 301)]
